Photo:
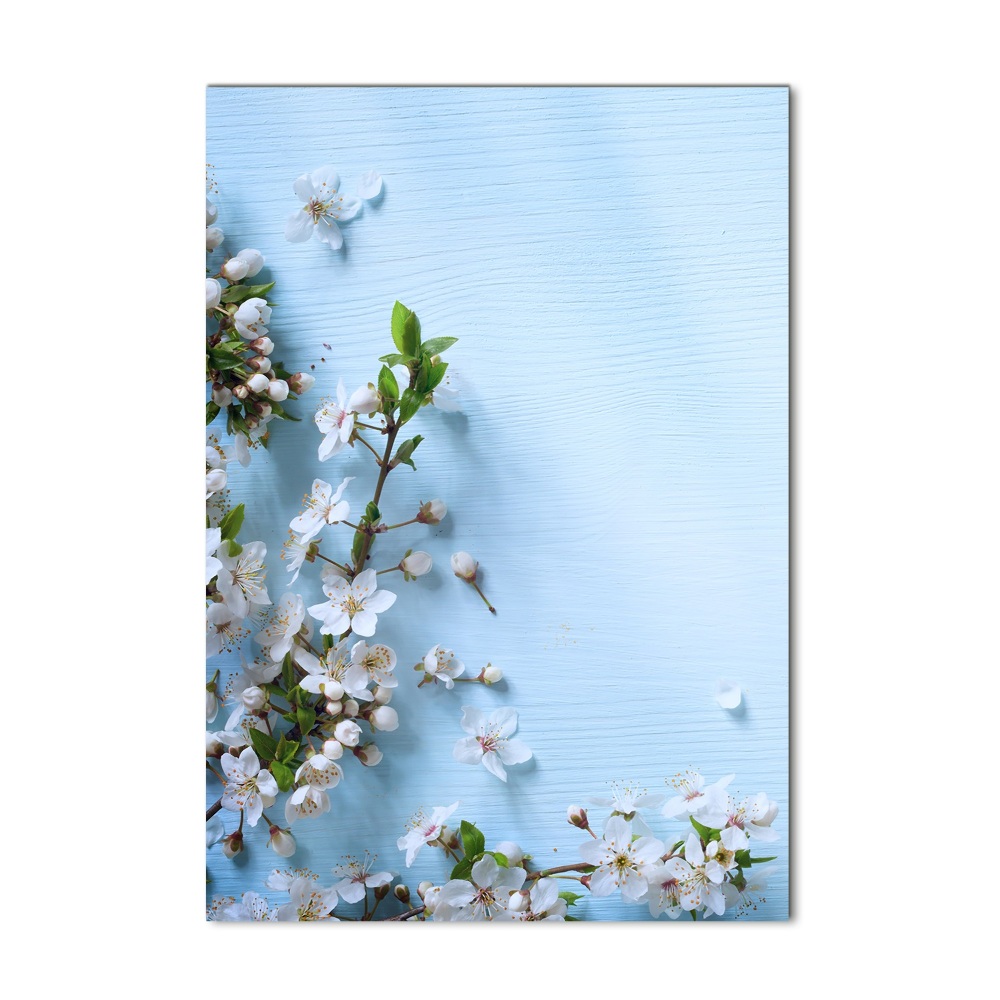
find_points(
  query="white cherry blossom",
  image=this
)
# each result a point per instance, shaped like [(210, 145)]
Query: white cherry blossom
[(336, 423), (353, 606), (325, 675), (621, 864), (252, 317), (489, 743), (485, 897), (701, 887), (247, 788), (308, 901), (706, 804), (442, 665), (241, 579), (356, 877), (423, 830), (322, 506), (213, 539), (325, 206), (278, 635), (306, 802), (293, 554)]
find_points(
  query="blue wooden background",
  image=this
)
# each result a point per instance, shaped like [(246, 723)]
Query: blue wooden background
[(614, 261)]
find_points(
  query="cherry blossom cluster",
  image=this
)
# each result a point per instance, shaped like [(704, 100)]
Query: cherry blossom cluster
[(245, 382), (708, 870)]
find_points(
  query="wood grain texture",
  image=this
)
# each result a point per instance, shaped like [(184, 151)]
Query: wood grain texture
[(615, 264)]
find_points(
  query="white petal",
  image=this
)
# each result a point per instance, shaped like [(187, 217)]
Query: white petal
[(370, 185), (380, 601), (514, 752), (303, 188), (727, 694), (468, 751), (493, 764), (473, 721), (327, 232), (505, 719), (298, 227)]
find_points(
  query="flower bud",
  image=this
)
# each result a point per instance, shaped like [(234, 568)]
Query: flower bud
[(213, 746), (351, 708), (385, 719), (281, 842), (254, 260), (416, 564), (492, 674), (349, 733), (402, 893), (577, 815), (258, 363), (233, 844), (333, 690), (301, 382), (369, 755), (518, 902), (251, 422), (464, 566), (213, 237), (262, 345), (278, 390), (381, 891), (258, 383), (263, 410), (423, 887), (511, 851), (334, 707), (432, 512), (211, 699), (221, 396), (235, 269), (382, 695), (211, 213), (430, 897), (333, 749), (213, 293), (364, 400), (241, 392), (254, 699)]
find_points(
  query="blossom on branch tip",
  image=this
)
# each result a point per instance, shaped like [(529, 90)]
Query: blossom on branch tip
[(432, 512), (489, 743), (423, 830), (356, 877), (442, 665), (241, 579), (485, 897), (464, 566), (336, 422), (322, 506)]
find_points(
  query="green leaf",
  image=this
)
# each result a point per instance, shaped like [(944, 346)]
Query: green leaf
[(287, 672), (286, 750), (327, 642), (411, 335), (394, 359), (234, 548), (222, 360), (570, 897), (405, 451), (567, 917), (357, 545), (372, 513), (409, 404), (423, 374), (387, 384), (263, 745), (399, 315), (283, 775), (500, 859), (463, 869), (437, 373), (232, 522), (438, 344), (473, 841), (239, 293), (212, 410), (760, 861), (306, 718), (705, 832)]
